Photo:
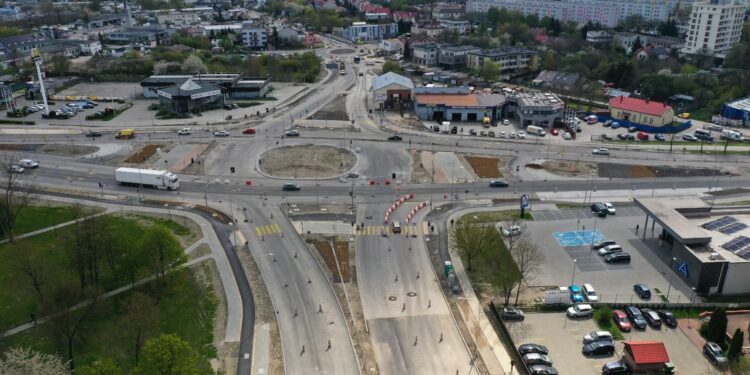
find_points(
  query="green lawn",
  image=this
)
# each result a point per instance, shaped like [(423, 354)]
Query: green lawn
[(33, 218), (495, 216), (603, 319)]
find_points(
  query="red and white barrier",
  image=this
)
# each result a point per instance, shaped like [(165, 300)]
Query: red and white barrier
[(394, 206), (414, 210)]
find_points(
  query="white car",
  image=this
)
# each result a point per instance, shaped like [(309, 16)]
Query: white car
[(513, 230), (512, 134), (600, 151), (597, 336), (580, 310), (506, 122), (221, 133), (521, 134), (183, 131), (566, 135), (15, 169), (610, 208), (502, 135), (28, 163), (611, 249)]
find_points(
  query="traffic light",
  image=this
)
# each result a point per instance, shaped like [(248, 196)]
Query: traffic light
[(231, 169)]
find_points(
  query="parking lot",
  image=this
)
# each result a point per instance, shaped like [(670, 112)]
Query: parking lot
[(573, 262), (564, 339)]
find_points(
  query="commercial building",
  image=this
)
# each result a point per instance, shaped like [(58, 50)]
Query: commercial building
[(428, 28), (627, 39), (392, 91), (535, 108), (738, 110), (599, 37), (426, 54), (454, 57), (192, 96), (456, 104), (254, 36), (640, 111), (512, 61), (459, 26), (178, 18), (706, 246), (391, 47), (715, 27), (362, 31), (231, 85), (605, 12), (140, 35)]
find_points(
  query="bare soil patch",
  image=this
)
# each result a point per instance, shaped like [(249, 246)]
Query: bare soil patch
[(51, 149), (342, 51), (484, 167), (143, 154), (569, 168), (326, 248), (612, 170), (334, 110), (307, 161)]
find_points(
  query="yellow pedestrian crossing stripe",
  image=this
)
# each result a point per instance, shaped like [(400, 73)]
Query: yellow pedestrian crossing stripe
[(379, 230), (265, 230)]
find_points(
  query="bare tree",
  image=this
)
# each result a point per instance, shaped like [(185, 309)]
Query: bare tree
[(66, 324), (528, 257), (33, 267), (142, 319), (15, 197), (470, 237), (23, 361)]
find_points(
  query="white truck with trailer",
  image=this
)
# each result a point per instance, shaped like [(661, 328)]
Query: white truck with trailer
[(157, 179)]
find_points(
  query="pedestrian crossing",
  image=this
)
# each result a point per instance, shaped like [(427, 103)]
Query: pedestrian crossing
[(379, 230), (265, 230)]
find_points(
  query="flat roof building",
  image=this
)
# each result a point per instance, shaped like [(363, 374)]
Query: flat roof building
[(458, 106), (536, 108)]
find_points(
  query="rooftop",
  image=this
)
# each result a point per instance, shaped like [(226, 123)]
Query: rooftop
[(741, 104), (538, 99), (442, 90), (647, 352), (389, 78), (646, 106), (462, 48), (509, 51)]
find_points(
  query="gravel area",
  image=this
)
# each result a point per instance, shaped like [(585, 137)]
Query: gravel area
[(334, 110), (612, 170), (307, 161)]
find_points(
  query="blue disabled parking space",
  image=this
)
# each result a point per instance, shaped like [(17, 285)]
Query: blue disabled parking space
[(578, 238)]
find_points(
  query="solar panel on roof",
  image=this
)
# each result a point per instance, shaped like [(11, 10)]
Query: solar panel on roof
[(744, 253), (733, 228), (718, 223), (737, 243)]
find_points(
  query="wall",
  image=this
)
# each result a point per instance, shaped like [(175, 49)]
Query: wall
[(737, 280)]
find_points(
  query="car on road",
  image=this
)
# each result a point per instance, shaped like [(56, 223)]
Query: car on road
[(92, 134), (221, 133), (602, 243), (567, 136), (642, 290), (610, 208), (28, 163), (611, 249), (521, 134), (290, 186), (622, 257), (597, 336), (636, 317), (600, 151), (395, 138), (15, 169), (542, 370), (599, 209), (292, 133), (668, 318), (660, 137), (580, 310), (621, 320), (532, 348), (615, 368), (512, 313), (554, 131), (576, 294), (532, 359), (498, 183), (183, 131), (689, 138), (249, 131), (352, 175), (714, 353), (652, 318), (598, 348)]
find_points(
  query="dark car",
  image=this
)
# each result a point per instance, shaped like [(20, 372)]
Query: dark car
[(511, 313), (615, 368), (291, 187), (621, 320), (394, 138), (652, 318), (668, 318), (660, 137), (602, 243), (622, 136), (632, 129), (635, 316), (472, 132), (532, 359), (599, 209), (93, 134), (498, 183), (630, 137), (642, 291), (617, 258), (542, 370), (532, 348), (599, 348), (714, 353)]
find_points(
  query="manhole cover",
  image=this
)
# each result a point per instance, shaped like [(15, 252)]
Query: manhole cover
[(392, 298), (411, 294)]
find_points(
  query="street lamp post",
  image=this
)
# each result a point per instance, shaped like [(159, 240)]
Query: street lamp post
[(692, 295), (671, 273), (572, 279), (653, 187)]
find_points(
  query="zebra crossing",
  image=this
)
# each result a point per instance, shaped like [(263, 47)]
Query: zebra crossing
[(379, 230), (265, 230)]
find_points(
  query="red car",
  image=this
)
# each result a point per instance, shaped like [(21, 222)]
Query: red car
[(643, 136), (554, 132), (621, 320), (248, 131)]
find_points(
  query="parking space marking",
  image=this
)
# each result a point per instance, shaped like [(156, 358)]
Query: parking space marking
[(586, 260), (578, 238)]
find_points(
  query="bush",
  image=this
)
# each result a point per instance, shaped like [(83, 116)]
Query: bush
[(703, 330), (603, 316), (717, 327)]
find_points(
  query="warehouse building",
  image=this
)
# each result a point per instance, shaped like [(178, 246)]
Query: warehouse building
[(456, 104), (738, 110), (640, 111)]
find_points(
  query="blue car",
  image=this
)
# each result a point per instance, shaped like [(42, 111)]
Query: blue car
[(576, 294)]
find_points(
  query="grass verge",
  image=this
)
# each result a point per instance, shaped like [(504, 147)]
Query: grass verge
[(34, 218), (496, 216), (603, 319)]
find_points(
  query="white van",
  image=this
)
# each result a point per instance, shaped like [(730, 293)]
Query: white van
[(396, 227), (531, 129), (590, 293)]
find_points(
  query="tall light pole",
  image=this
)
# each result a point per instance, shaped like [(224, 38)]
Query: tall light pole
[(671, 274), (653, 187), (572, 279)]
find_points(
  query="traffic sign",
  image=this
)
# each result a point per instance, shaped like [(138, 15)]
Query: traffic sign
[(524, 201), (683, 269)]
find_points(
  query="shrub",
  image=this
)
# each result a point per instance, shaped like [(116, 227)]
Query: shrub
[(603, 316)]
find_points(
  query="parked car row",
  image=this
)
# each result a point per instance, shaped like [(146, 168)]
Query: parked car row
[(582, 294), (598, 343), (536, 358), (640, 318)]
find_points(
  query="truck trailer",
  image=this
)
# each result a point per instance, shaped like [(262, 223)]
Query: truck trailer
[(157, 179)]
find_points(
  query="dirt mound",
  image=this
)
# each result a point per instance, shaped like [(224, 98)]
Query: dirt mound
[(534, 166), (484, 167), (143, 154)]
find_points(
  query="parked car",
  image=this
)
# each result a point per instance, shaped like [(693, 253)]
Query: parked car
[(576, 294), (501, 134), (599, 209), (714, 353), (542, 370), (598, 348), (632, 129), (629, 137), (642, 136), (395, 138), (597, 336), (221, 133), (292, 133), (635, 316), (615, 125), (532, 359), (689, 138), (506, 122), (498, 183), (483, 133), (590, 293), (249, 131), (566, 135), (521, 134), (611, 249), (622, 257), (512, 313), (607, 123), (668, 318), (581, 310), (652, 318), (472, 132), (622, 136), (183, 131), (15, 169), (602, 243), (606, 137), (511, 231), (532, 348), (554, 131), (642, 290), (660, 137), (512, 134), (600, 151), (621, 320), (615, 368), (28, 163), (289, 186), (490, 133)]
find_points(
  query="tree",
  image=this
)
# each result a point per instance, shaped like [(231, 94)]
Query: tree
[(717, 327), (226, 43), (194, 64), (489, 70), (102, 366), (392, 66), (525, 253), (33, 267), (735, 346), (66, 325), (500, 270), (142, 318), (548, 60), (167, 355), (60, 64), (15, 198), (165, 254), (471, 237), (23, 361), (636, 45), (688, 69), (95, 5)]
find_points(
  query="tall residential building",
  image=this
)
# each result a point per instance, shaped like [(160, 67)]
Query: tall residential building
[(254, 35), (715, 27), (605, 12)]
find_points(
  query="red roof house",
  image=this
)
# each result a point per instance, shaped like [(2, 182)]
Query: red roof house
[(643, 111), (645, 355)]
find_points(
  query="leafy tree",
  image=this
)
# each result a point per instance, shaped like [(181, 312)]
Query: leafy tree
[(24, 361), (9, 31), (33, 267), (668, 28), (13, 200), (489, 70), (102, 366), (142, 318), (392, 66), (403, 27), (688, 69), (226, 43), (717, 327), (60, 64), (500, 270), (194, 64), (735, 346), (67, 326), (165, 254), (548, 60), (471, 238), (167, 355)]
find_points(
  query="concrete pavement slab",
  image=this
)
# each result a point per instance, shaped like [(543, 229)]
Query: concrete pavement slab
[(261, 353), (452, 167)]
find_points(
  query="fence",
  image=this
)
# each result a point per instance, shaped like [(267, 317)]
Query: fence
[(507, 340), (665, 129)]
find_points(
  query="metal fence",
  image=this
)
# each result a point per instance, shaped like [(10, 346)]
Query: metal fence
[(507, 340)]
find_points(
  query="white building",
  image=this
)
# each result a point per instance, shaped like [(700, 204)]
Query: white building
[(460, 26), (362, 31), (90, 47), (426, 54), (254, 36), (715, 27)]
